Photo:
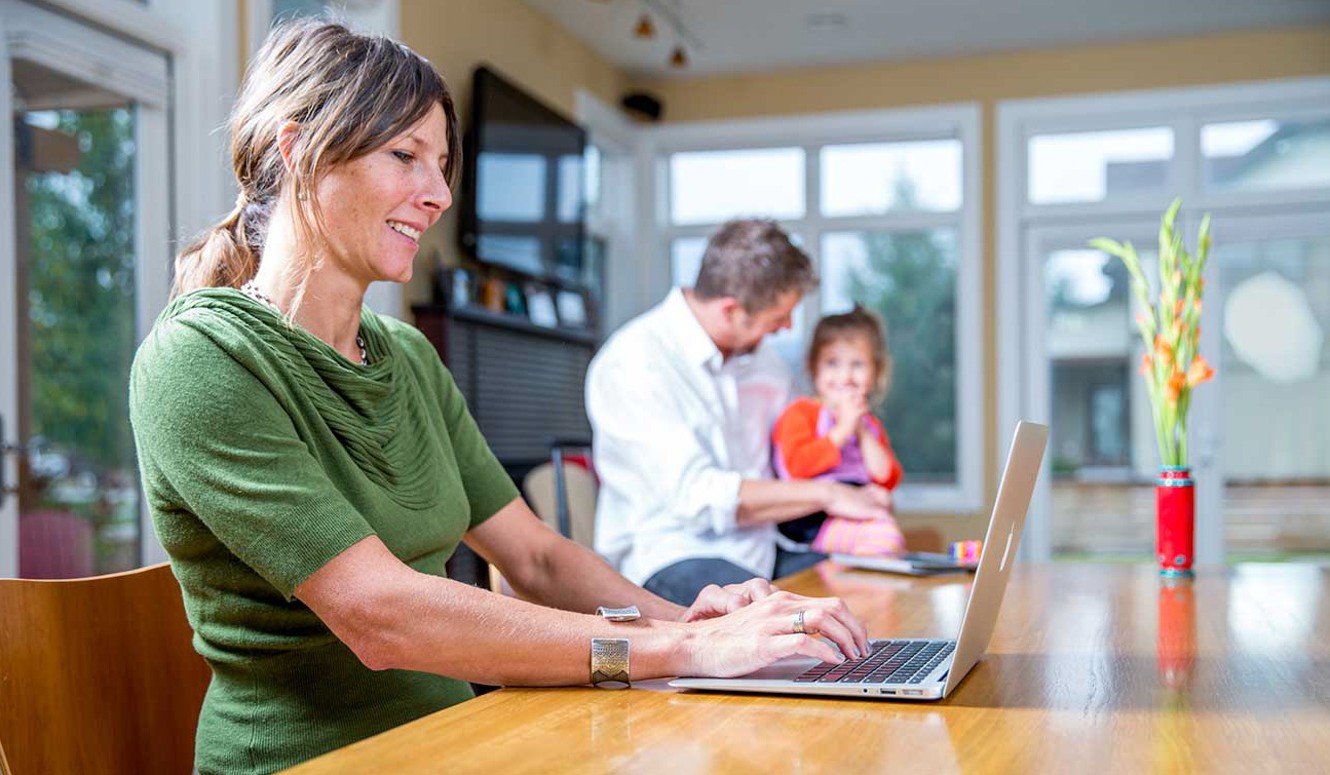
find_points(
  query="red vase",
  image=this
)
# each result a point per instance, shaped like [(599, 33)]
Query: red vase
[(1175, 509)]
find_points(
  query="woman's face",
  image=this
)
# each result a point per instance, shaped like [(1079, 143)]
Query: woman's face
[(376, 207), (844, 368)]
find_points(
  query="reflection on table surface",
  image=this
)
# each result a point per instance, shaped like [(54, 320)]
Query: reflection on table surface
[(1105, 667)]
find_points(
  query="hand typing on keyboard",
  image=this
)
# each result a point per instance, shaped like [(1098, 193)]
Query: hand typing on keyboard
[(768, 630)]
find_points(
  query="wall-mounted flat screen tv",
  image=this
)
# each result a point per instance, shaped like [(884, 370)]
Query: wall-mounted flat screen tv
[(522, 181)]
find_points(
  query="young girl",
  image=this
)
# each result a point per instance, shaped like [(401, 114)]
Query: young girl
[(835, 436)]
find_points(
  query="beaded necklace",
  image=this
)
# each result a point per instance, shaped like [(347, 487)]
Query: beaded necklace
[(251, 289)]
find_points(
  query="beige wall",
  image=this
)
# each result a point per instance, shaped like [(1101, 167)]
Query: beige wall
[(988, 79), (520, 43)]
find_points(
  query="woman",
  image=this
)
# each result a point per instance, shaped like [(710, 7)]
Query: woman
[(310, 466)]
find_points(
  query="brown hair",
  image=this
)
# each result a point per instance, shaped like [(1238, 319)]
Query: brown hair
[(349, 93), (755, 262), (857, 322)]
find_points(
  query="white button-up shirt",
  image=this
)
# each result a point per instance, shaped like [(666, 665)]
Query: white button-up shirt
[(676, 429)]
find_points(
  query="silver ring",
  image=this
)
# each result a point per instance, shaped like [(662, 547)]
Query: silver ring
[(799, 623)]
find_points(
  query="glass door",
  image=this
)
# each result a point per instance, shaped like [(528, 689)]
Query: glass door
[(83, 273), (1096, 496), (1268, 324)]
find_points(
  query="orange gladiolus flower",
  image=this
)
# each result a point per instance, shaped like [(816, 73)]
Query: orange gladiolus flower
[(1177, 328), (1174, 388), (1147, 364), (1163, 350), (1177, 308), (1199, 372), (1177, 277)]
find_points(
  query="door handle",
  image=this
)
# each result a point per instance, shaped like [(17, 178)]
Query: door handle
[(6, 448)]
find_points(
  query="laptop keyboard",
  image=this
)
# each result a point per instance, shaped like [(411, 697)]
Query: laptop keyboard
[(888, 661)]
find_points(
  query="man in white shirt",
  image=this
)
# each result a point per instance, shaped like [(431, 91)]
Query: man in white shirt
[(682, 401)]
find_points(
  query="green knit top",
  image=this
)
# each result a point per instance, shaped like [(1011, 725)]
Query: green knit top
[(264, 454)]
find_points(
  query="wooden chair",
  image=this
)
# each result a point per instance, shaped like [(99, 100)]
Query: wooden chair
[(98, 675), (571, 512), (541, 488)]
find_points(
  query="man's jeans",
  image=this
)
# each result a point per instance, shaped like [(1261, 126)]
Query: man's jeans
[(681, 582)]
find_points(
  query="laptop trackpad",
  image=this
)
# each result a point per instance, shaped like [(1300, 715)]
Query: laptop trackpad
[(785, 669)]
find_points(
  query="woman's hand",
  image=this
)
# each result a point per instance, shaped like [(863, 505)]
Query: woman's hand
[(715, 601), (763, 632), (870, 501)]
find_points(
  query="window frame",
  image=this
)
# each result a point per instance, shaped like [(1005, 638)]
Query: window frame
[(960, 121)]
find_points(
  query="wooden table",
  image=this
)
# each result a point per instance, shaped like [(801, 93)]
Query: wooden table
[(1093, 668)]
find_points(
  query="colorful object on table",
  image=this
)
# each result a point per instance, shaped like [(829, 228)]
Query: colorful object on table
[(966, 552), (863, 537), (1175, 503), (1172, 367)]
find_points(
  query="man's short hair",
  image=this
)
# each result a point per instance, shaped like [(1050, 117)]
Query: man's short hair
[(754, 262)]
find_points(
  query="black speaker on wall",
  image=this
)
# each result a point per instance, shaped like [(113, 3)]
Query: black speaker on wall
[(643, 106)]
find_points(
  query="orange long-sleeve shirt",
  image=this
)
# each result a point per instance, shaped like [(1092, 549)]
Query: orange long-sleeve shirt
[(803, 454)]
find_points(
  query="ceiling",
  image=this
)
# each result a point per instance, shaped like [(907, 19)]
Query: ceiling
[(735, 36)]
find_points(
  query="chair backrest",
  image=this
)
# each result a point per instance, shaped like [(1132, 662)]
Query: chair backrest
[(541, 492), (98, 675)]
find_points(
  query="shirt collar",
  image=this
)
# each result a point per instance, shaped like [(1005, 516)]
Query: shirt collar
[(693, 340)]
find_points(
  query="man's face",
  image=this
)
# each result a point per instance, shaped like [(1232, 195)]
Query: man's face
[(748, 330)]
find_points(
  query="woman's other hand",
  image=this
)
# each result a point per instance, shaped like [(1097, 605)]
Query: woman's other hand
[(715, 601), (766, 631)]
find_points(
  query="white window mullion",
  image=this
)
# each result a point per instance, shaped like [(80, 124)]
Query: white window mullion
[(1186, 170)]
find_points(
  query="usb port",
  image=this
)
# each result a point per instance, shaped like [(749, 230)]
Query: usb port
[(912, 692)]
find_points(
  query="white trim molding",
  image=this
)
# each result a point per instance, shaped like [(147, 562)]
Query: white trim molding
[(8, 316)]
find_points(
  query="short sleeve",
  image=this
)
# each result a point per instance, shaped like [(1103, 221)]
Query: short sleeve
[(216, 442)]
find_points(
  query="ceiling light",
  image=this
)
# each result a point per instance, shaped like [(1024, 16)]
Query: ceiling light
[(645, 28)]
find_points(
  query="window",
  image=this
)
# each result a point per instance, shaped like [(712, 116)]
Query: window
[(875, 178), (715, 186), (1094, 166), (883, 203), (1266, 154), (909, 278)]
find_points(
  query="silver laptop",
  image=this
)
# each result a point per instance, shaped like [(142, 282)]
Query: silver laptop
[(920, 669)]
